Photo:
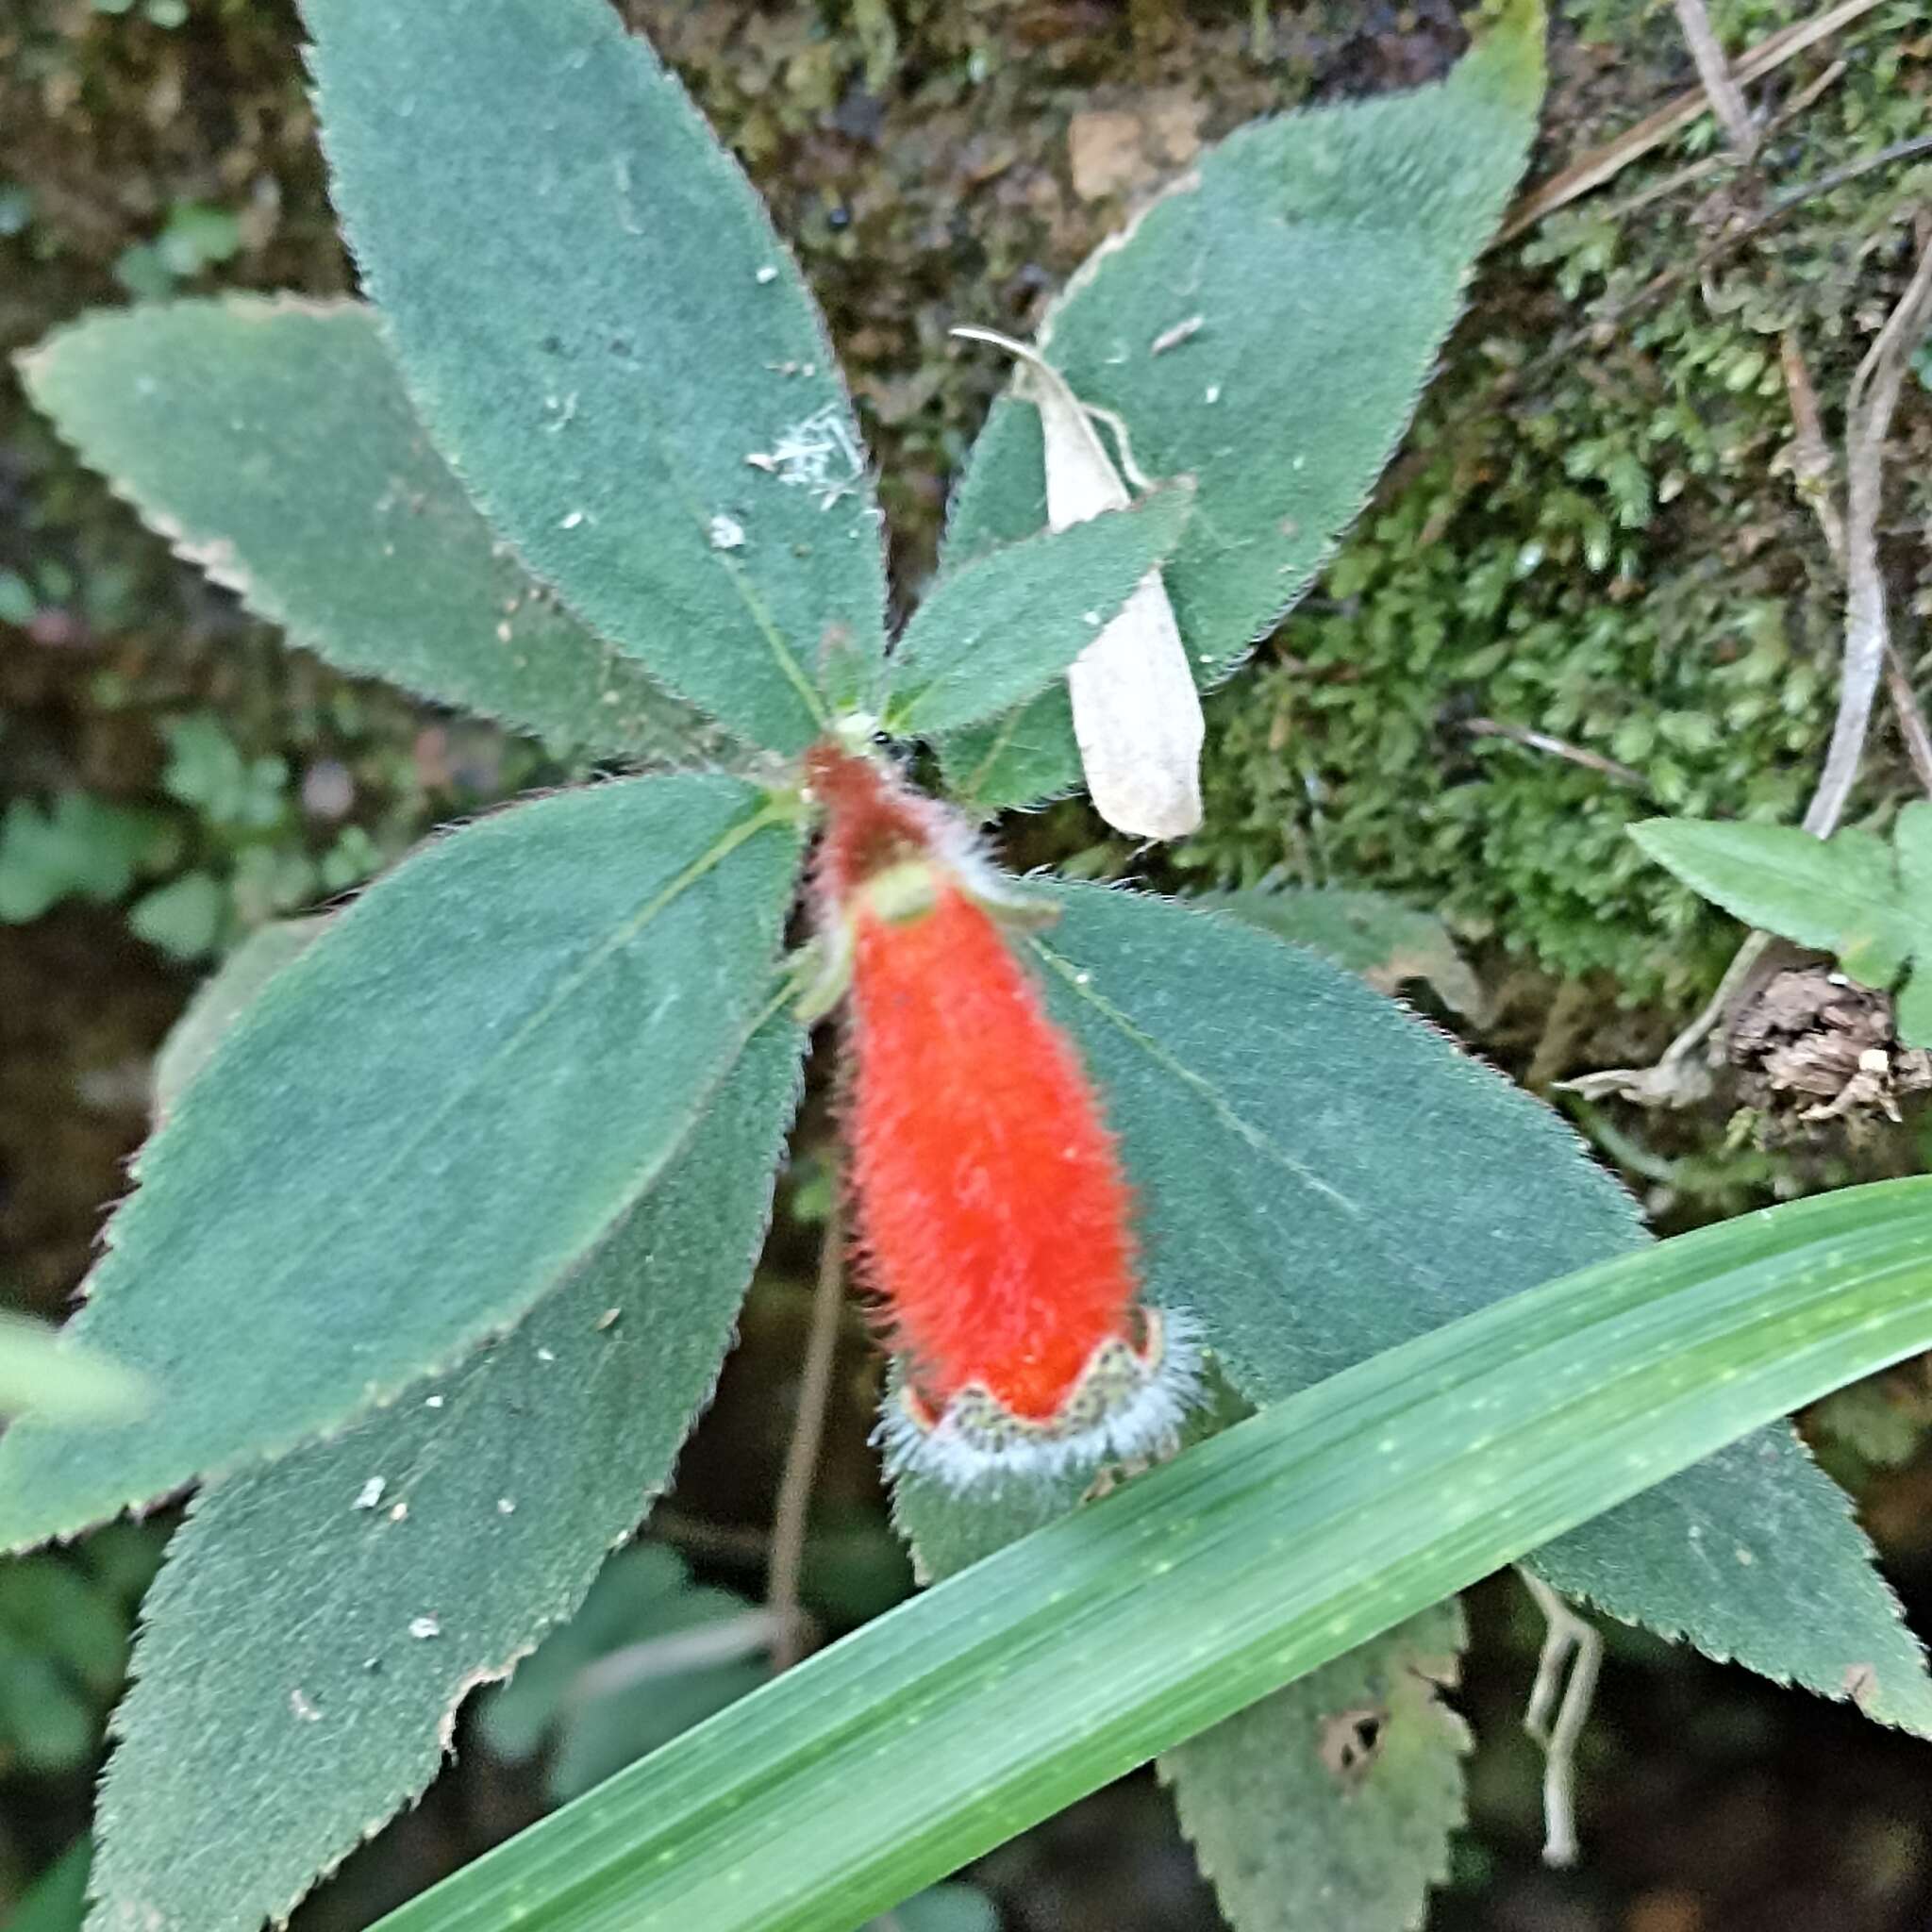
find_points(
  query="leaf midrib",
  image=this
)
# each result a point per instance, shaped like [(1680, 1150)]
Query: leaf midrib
[(770, 812)]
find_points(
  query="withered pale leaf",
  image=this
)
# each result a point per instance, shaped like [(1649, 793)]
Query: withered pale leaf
[(1137, 714)]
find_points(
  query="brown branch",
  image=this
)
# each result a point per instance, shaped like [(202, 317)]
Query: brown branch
[(802, 1452), (1721, 87), (1808, 459), (1604, 164)]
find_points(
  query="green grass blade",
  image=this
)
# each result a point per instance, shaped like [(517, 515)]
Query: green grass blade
[(995, 1699)]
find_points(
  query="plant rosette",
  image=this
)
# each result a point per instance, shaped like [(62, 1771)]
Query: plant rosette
[(453, 1197)]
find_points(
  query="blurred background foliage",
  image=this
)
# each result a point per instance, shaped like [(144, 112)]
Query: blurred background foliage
[(1594, 535)]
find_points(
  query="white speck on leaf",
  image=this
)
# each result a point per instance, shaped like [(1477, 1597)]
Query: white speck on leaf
[(399, 1514), (817, 454), (1214, 393), (572, 521), (606, 1319), (423, 1627), (299, 1703), (727, 533), (506, 1506), (370, 1494), (767, 274), (1173, 338), (432, 1402)]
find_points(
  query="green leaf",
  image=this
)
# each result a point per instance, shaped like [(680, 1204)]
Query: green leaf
[(609, 345), (1317, 260), (944, 1909), (272, 443), (1849, 894), (185, 918), (221, 1001), (1331, 1803), (422, 1127), (57, 1901), (647, 1655), (993, 632), (68, 1618), (1372, 934), (208, 770), (82, 847), (1320, 1176), (975, 1710), (286, 1661), (41, 1370)]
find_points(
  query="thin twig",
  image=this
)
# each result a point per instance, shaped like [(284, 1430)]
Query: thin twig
[(1808, 95), (1686, 177), (1733, 238), (1604, 164), (1809, 460), (1912, 720), (1721, 87), (1810, 468), (1566, 1636), (1847, 172), (1556, 747), (802, 1452), (1869, 406)]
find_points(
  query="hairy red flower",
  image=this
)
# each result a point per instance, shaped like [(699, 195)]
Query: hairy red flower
[(994, 1220)]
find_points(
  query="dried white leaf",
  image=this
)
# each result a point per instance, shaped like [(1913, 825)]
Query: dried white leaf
[(1137, 715)]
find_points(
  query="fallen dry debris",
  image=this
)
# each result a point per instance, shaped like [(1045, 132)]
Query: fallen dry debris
[(1811, 1044)]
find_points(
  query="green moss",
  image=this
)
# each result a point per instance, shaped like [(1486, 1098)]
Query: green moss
[(1589, 538)]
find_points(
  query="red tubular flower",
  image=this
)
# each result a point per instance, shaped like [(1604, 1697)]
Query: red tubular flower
[(994, 1222)]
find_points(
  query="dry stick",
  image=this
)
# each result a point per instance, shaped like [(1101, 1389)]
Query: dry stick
[(1911, 721), (1556, 747), (1869, 406), (1811, 469), (1702, 170), (1565, 1636), (1810, 463), (1720, 85), (802, 1452), (1604, 164), (1599, 329)]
